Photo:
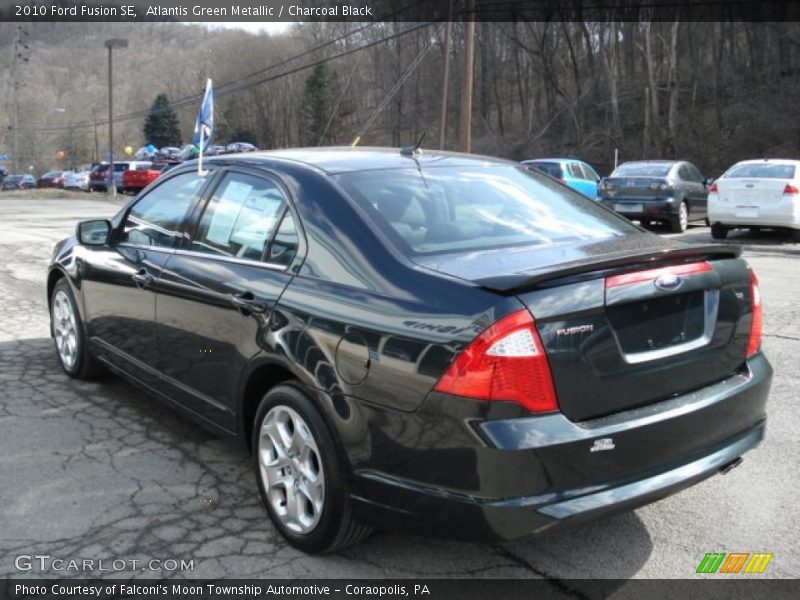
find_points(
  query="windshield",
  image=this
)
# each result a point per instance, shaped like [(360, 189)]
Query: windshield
[(641, 170), (761, 171), (458, 209)]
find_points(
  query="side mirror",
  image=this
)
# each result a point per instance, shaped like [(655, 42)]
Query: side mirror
[(93, 233), (708, 181)]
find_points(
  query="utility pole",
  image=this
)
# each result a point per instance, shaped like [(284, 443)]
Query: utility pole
[(465, 128), (96, 144), (111, 44), (446, 76), (15, 114)]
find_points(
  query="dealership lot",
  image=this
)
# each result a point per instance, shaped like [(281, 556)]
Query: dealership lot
[(99, 471)]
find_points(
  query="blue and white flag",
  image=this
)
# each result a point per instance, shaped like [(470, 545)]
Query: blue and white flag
[(204, 125)]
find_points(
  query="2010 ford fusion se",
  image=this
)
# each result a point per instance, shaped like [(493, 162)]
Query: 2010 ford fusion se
[(429, 341)]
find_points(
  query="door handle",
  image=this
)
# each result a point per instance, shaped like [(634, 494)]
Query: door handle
[(246, 302), (142, 278)]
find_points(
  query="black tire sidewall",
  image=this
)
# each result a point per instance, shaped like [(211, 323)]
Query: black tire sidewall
[(63, 285), (335, 506)]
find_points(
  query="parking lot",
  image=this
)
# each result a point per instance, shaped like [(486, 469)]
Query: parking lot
[(101, 471)]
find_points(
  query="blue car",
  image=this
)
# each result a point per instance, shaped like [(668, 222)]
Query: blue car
[(575, 173)]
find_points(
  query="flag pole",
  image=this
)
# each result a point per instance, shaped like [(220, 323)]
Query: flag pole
[(200, 171)]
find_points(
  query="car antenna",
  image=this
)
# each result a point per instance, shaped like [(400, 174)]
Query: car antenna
[(415, 149)]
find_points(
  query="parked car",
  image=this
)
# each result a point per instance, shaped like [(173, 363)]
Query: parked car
[(756, 194), (240, 147), (668, 191), (76, 180), (169, 154), (143, 174), (18, 182), (52, 179), (214, 149), (576, 174), (98, 178), (452, 344)]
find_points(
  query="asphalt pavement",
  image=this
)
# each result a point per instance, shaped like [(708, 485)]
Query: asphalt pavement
[(100, 471)]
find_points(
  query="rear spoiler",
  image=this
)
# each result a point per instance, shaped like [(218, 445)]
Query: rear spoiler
[(523, 280)]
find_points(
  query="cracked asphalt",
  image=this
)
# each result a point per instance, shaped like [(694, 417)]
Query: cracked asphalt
[(101, 471)]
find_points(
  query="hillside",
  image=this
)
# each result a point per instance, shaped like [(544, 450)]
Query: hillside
[(713, 93)]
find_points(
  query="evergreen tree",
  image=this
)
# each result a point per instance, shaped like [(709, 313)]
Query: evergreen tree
[(161, 127), (319, 100)]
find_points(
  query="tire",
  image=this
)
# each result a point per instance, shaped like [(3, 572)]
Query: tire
[(68, 336), (680, 222), (795, 236), (287, 421), (719, 231)]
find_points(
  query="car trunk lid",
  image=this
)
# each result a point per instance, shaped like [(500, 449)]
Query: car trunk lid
[(630, 322), (751, 191), (621, 188)]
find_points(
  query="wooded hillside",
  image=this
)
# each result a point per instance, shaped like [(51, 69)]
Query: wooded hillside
[(713, 93)]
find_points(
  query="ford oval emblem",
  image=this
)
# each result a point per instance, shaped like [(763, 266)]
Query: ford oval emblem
[(668, 282)]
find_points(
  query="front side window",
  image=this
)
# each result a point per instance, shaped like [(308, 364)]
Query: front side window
[(156, 219), (461, 209), (240, 217)]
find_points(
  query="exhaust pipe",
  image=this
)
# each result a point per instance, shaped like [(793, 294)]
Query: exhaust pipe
[(727, 468)]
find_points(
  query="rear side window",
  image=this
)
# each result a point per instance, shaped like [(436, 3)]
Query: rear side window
[(551, 168), (240, 217), (458, 209), (761, 171), (156, 219)]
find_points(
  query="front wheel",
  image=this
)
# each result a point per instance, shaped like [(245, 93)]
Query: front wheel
[(70, 340), (301, 474)]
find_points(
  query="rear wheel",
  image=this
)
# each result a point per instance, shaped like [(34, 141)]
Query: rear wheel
[(301, 475), (719, 231), (680, 222), (70, 340)]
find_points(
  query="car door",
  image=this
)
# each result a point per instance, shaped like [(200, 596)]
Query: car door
[(591, 178), (118, 280), (219, 289)]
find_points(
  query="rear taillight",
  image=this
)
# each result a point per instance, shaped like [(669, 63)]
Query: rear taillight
[(757, 317), (713, 189), (790, 190), (506, 362)]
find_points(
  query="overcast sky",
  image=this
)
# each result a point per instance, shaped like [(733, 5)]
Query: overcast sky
[(251, 26)]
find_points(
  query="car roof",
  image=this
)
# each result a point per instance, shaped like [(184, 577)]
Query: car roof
[(769, 161), (343, 159), (559, 160)]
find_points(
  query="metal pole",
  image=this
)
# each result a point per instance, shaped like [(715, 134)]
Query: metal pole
[(465, 128), (96, 144), (446, 76), (15, 161), (112, 188)]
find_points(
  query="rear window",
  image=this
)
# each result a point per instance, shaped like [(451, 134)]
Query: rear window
[(761, 171), (641, 170), (459, 209), (551, 168), (119, 167)]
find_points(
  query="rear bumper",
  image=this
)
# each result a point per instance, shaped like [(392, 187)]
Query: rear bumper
[(783, 213), (643, 208), (657, 450)]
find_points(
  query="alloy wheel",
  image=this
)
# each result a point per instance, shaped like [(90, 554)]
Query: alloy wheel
[(291, 469), (683, 216), (65, 330)]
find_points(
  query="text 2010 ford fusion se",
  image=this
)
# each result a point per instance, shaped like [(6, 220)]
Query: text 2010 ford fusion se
[(427, 341)]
